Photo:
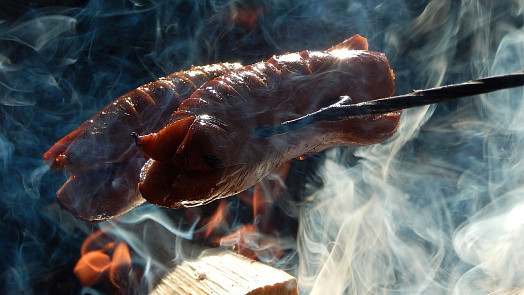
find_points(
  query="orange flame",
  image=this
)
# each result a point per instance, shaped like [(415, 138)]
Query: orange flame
[(253, 239), (91, 266), (120, 264), (248, 241), (242, 240), (216, 219), (260, 202), (266, 191), (245, 14), (101, 258), (104, 260)]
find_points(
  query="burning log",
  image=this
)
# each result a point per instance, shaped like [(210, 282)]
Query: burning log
[(219, 271)]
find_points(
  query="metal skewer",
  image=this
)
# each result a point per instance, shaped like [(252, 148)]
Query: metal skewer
[(341, 111)]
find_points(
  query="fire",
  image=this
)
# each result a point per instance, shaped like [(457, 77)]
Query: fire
[(120, 264), (245, 14), (91, 266), (249, 242), (253, 239), (102, 259), (216, 219), (106, 261)]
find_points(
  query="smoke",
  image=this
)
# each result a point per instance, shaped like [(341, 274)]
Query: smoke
[(491, 238), (435, 210)]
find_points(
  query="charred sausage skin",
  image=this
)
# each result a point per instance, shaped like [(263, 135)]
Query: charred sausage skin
[(101, 155), (208, 150)]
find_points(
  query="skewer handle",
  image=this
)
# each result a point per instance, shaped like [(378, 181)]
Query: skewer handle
[(343, 111)]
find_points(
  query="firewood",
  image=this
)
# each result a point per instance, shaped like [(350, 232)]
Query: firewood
[(220, 271)]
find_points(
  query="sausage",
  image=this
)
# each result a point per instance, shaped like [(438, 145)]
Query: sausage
[(100, 154), (208, 151), (105, 138)]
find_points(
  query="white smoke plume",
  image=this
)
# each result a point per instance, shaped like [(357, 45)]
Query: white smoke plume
[(437, 209)]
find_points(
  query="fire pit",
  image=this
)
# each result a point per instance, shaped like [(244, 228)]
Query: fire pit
[(436, 209)]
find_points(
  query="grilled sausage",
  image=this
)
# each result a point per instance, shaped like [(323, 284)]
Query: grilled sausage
[(101, 155), (105, 138), (208, 150)]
